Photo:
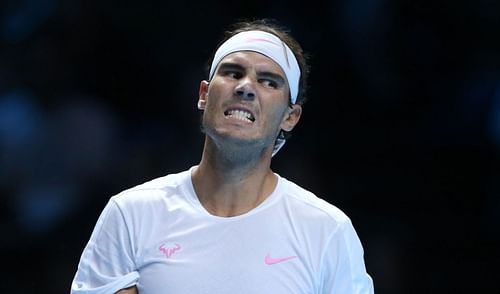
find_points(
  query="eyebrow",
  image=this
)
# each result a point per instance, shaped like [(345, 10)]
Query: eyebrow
[(261, 74), (273, 76), (230, 65)]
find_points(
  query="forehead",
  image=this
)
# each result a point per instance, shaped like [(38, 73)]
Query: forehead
[(254, 60)]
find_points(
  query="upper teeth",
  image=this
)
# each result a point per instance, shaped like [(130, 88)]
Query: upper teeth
[(240, 114)]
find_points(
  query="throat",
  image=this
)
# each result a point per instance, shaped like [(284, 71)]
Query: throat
[(232, 196)]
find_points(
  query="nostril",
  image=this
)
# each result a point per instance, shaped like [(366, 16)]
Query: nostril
[(245, 93)]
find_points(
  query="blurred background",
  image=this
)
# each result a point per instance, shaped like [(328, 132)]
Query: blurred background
[(401, 131)]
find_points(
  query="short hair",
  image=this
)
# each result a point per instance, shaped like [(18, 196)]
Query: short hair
[(273, 27)]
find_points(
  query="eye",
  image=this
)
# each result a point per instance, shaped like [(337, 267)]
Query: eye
[(269, 83), (232, 74)]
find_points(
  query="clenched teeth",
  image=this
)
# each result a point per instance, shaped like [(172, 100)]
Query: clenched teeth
[(240, 114)]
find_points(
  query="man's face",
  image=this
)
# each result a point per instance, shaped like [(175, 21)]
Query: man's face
[(247, 100)]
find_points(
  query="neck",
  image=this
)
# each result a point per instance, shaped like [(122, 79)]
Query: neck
[(229, 186)]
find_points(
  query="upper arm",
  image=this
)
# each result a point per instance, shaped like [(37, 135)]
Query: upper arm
[(343, 268), (131, 290), (108, 262)]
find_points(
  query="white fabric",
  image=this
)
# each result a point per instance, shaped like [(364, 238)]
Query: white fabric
[(267, 44), (277, 145), (160, 231)]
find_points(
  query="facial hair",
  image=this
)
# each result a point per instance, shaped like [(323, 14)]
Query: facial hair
[(237, 151)]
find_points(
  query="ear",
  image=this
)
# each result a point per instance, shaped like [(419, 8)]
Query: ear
[(291, 117), (202, 95)]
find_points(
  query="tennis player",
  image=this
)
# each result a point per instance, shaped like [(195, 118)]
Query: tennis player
[(230, 224)]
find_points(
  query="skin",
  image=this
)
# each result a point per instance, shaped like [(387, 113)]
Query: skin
[(132, 290), (234, 175)]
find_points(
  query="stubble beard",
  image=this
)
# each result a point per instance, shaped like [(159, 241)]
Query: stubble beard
[(235, 151)]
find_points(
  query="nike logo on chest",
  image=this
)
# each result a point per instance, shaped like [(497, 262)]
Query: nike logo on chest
[(272, 260)]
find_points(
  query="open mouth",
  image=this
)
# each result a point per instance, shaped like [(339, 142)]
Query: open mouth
[(240, 114)]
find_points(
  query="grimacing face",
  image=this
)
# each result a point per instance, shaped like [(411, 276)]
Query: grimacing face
[(247, 101)]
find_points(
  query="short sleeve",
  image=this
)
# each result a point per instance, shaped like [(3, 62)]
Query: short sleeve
[(107, 262), (343, 268)]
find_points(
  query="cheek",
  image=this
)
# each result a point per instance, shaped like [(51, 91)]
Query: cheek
[(216, 94), (212, 100), (277, 117), (219, 86)]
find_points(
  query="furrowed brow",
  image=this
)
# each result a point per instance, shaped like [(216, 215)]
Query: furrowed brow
[(230, 66), (273, 76)]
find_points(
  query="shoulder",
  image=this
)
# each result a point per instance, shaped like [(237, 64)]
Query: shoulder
[(152, 191), (313, 207)]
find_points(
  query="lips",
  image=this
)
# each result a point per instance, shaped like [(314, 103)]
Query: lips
[(240, 114)]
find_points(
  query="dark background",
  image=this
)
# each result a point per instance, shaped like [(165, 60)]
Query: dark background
[(402, 130)]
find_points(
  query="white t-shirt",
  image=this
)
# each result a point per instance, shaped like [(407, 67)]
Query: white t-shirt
[(160, 238)]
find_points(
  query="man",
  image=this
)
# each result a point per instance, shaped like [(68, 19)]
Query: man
[(230, 225)]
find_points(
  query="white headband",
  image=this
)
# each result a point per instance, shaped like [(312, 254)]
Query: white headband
[(268, 45)]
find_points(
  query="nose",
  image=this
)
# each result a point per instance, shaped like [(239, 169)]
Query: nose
[(245, 90)]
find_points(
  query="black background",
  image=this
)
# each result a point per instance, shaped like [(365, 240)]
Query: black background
[(401, 131)]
